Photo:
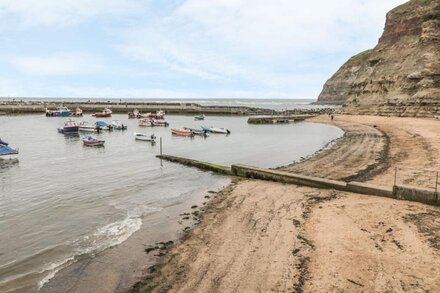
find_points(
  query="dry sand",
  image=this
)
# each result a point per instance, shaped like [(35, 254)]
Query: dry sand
[(261, 236)]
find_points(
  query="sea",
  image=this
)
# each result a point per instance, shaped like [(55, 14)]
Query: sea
[(63, 203)]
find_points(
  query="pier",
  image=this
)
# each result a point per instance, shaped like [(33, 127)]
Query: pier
[(411, 193), (278, 119)]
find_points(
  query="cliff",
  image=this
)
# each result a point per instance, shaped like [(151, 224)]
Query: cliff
[(401, 75)]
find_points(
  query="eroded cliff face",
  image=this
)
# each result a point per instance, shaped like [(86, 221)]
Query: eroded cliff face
[(401, 75)]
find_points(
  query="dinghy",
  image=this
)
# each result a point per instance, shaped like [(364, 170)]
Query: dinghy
[(199, 117), (196, 131), (7, 153), (144, 137), (216, 130), (145, 123), (102, 125), (89, 140), (85, 126), (181, 132), (160, 123), (118, 125)]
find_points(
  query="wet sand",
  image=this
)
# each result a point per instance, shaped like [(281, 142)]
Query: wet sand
[(261, 236)]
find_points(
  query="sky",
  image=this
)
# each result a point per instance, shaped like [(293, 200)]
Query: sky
[(181, 48)]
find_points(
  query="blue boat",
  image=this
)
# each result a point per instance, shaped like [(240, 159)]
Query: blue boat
[(102, 125), (8, 153), (59, 112)]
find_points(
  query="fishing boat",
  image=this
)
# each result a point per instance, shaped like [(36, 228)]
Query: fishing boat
[(181, 132), (199, 117), (134, 114), (7, 153), (89, 140), (216, 130), (118, 125), (196, 131), (159, 115), (160, 123), (144, 137), (59, 112), (78, 112), (145, 122), (85, 126), (105, 113), (70, 127), (102, 125)]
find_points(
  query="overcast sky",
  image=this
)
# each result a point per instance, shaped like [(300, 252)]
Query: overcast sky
[(181, 48)]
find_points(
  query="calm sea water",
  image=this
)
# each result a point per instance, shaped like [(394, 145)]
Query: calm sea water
[(63, 199)]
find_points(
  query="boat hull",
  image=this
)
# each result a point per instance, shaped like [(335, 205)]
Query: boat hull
[(8, 157), (180, 132), (69, 130), (101, 115), (93, 143)]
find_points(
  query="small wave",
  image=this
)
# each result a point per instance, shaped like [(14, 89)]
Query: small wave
[(54, 268)]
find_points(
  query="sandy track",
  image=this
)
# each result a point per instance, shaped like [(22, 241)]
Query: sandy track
[(262, 236)]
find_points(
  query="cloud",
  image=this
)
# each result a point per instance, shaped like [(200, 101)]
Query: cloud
[(62, 13), (58, 64)]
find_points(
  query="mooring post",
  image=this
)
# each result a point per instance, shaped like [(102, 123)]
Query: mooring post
[(161, 164), (395, 180), (436, 186)]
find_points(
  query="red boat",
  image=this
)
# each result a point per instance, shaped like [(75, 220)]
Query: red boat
[(160, 115), (105, 113), (181, 132)]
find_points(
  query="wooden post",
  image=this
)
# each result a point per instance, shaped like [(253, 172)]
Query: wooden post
[(161, 164), (395, 176), (436, 186)]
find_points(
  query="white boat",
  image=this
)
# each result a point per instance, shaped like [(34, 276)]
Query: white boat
[(144, 137), (145, 122), (85, 126), (216, 130), (118, 125)]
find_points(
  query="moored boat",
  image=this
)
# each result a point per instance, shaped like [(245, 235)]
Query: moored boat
[(78, 112), (160, 123), (85, 126), (105, 113), (70, 127), (59, 112), (102, 125), (199, 117), (145, 137), (134, 114), (159, 115), (196, 131), (145, 122), (89, 140), (6, 152), (216, 130), (181, 132), (118, 125)]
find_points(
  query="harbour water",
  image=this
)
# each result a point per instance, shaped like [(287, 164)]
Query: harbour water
[(63, 200)]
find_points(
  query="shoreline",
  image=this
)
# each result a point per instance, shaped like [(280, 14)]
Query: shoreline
[(195, 262)]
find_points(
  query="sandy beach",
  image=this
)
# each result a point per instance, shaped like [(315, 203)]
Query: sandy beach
[(258, 236)]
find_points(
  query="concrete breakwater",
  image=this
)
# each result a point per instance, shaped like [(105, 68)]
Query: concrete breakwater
[(278, 119), (24, 107), (424, 195)]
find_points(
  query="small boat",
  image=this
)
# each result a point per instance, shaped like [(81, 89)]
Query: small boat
[(2, 142), (216, 130), (160, 123), (102, 125), (89, 140), (7, 153), (70, 127), (144, 137), (159, 115), (181, 132), (59, 112), (134, 114), (145, 122), (105, 113), (118, 125), (196, 131), (85, 126), (199, 117), (78, 112)]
